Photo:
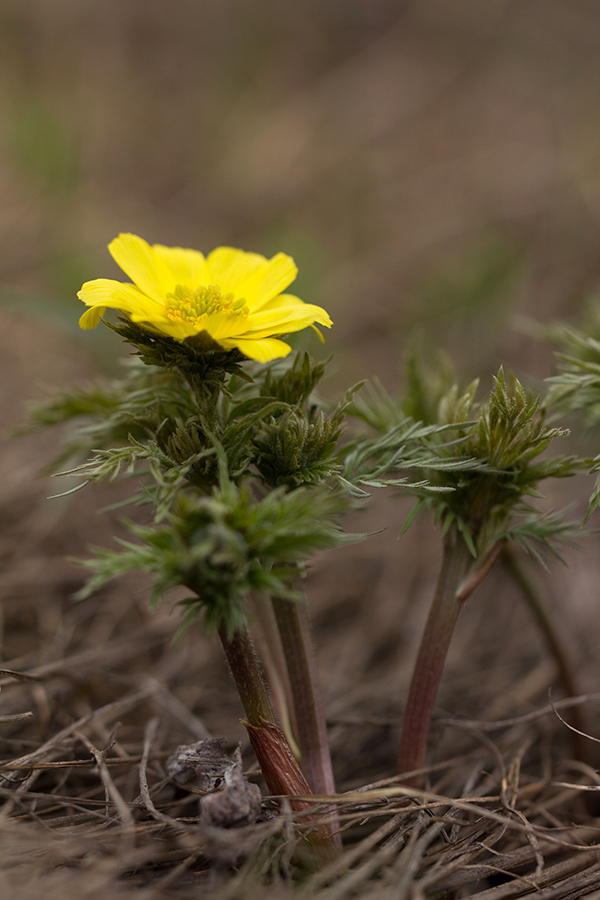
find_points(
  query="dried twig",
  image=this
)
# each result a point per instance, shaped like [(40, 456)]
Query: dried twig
[(112, 792)]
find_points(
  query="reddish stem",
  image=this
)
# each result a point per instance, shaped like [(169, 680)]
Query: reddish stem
[(294, 629), (278, 764), (309, 711), (247, 674), (432, 654)]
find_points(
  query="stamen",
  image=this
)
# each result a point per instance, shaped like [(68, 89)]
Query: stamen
[(187, 306)]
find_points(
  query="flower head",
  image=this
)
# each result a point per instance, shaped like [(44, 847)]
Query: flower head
[(233, 296)]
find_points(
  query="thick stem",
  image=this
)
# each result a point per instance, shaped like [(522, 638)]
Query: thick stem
[(273, 659), (538, 605), (432, 654), (278, 764), (248, 677), (283, 776), (298, 648)]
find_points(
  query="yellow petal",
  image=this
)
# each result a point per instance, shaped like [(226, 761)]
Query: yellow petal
[(250, 275), (223, 325), (229, 268), (113, 294), (143, 264), (288, 317), (261, 350), (282, 300), (264, 285), (186, 267), (91, 317), (178, 330), (288, 301)]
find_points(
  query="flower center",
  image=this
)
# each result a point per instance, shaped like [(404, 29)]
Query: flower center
[(187, 306)]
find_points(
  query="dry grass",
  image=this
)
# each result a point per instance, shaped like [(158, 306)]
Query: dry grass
[(90, 811)]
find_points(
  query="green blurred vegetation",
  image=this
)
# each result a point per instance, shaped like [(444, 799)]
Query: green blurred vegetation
[(42, 147)]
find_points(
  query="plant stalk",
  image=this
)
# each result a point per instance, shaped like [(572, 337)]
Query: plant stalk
[(247, 674), (432, 654), (311, 726), (278, 764), (273, 659)]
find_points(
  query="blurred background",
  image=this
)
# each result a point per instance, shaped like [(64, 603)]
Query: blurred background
[(431, 165)]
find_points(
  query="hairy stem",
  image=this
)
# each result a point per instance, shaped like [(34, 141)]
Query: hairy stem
[(309, 712), (294, 629), (247, 674), (432, 653), (273, 659), (278, 764)]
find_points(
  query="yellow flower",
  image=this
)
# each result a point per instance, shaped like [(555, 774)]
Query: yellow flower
[(233, 296)]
